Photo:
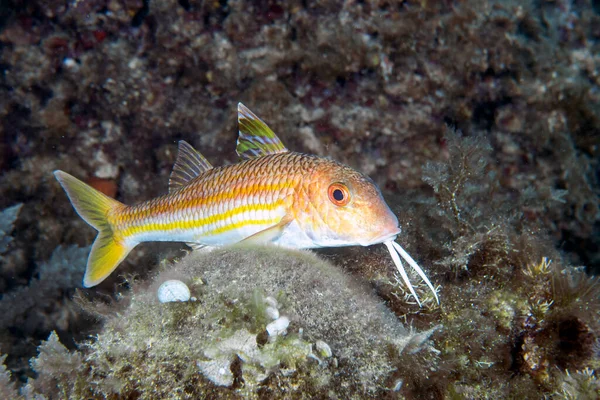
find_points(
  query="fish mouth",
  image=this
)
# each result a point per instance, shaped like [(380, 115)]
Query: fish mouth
[(389, 236)]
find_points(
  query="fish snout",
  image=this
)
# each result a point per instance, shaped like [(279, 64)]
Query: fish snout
[(382, 236)]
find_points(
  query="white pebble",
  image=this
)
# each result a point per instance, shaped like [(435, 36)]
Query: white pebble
[(278, 326), (272, 312), (69, 63), (270, 301), (173, 290), (323, 349)]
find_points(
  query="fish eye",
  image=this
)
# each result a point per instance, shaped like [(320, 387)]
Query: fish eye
[(339, 194)]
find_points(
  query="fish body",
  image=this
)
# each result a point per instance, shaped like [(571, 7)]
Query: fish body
[(229, 204), (274, 195)]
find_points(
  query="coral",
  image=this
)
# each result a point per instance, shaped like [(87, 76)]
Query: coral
[(7, 388), (257, 363), (334, 339), (60, 372), (226, 331)]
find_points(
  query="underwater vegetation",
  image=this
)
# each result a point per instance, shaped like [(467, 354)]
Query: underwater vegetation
[(512, 310), (268, 322), (262, 322), (503, 217)]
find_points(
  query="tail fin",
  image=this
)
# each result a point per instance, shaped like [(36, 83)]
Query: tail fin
[(93, 207)]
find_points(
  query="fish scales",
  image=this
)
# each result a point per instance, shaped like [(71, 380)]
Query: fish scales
[(244, 196)]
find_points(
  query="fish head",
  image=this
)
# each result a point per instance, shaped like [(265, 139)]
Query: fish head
[(346, 208)]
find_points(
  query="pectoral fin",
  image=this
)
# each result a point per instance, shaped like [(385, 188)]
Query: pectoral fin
[(270, 234)]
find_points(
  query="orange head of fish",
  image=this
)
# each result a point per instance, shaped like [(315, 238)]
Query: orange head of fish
[(342, 207)]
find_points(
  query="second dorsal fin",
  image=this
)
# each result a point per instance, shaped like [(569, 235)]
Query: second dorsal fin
[(255, 137), (189, 164)]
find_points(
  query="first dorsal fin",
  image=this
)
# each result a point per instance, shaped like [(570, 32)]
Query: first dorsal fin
[(255, 137), (189, 165)]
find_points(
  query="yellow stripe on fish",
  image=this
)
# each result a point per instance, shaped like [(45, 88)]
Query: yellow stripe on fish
[(290, 199), (184, 224)]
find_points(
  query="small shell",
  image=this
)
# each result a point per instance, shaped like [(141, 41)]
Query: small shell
[(173, 290), (323, 349), (278, 326)]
